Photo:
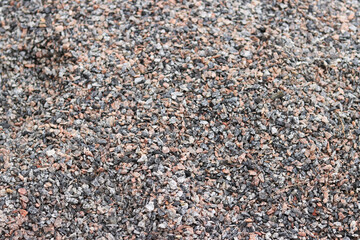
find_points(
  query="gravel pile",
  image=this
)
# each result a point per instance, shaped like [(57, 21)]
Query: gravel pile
[(179, 119)]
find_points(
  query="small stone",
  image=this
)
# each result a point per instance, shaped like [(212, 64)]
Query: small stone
[(42, 23), (109, 236), (252, 173), (24, 199), (263, 196), (162, 225), (166, 150), (59, 29), (353, 227), (172, 184), (174, 95), (142, 159), (50, 153), (2, 192), (274, 131), (22, 191), (327, 168), (139, 80), (23, 212), (246, 54), (9, 191), (58, 222), (142, 224), (111, 121), (150, 206)]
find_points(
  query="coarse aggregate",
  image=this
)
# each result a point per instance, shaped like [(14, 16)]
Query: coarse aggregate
[(142, 119)]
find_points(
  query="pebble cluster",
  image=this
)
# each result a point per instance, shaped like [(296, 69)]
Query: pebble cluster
[(185, 119)]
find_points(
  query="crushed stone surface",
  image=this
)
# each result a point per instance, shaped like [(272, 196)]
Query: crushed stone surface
[(179, 119)]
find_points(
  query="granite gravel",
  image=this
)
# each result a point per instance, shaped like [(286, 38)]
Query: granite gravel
[(179, 119)]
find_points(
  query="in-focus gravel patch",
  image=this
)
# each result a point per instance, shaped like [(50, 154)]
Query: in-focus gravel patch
[(179, 119)]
